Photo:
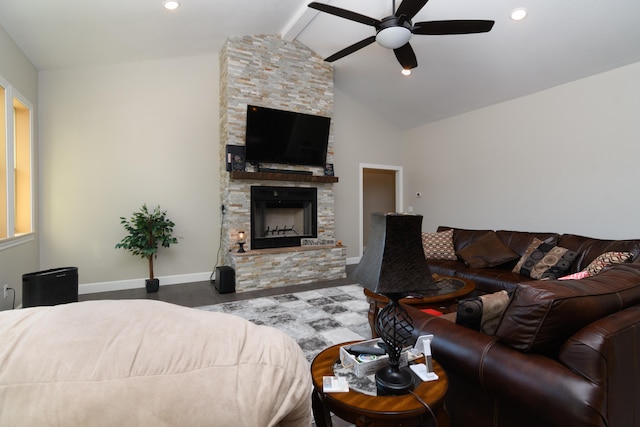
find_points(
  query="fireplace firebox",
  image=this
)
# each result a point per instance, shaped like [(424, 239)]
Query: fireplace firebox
[(282, 216)]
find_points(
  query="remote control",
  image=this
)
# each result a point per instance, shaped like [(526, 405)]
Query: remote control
[(365, 349)]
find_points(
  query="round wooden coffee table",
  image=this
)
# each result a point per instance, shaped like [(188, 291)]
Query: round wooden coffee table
[(375, 411), (452, 290)]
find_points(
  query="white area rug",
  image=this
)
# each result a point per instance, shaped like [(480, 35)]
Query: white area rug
[(315, 319)]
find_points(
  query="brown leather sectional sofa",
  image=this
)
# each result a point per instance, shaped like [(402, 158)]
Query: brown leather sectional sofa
[(566, 352), (501, 277)]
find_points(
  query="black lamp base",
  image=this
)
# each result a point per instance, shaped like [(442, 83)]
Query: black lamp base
[(392, 381)]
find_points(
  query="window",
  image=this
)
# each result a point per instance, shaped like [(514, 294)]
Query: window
[(3, 163), (22, 167), (16, 165)]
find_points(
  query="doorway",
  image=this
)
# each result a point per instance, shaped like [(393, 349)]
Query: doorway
[(380, 191)]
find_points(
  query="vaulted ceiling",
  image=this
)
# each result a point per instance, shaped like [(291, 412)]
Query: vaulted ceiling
[(559, 41)]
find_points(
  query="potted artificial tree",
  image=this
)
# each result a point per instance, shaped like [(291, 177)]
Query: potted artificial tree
[(147, 230)]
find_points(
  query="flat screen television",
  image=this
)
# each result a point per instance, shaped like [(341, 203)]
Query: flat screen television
[(286, 137)]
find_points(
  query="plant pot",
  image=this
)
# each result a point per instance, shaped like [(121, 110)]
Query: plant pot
[(152, 285)]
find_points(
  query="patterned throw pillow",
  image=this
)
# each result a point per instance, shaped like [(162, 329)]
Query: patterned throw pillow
[(576, 276), (544, 261), (439, 245), (482, 313), (607, 259)]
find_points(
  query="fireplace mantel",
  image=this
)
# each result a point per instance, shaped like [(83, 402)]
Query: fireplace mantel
[(275, 176)]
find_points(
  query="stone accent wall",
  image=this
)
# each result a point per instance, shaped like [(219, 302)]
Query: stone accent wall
[(269, 72), (269, 268)]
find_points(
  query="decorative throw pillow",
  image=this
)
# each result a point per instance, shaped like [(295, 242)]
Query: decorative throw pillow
[(541, 315), (482, 313), (469, 313), (607, 259), (542, 260), (439, 245), (576, 276), (487, 251)]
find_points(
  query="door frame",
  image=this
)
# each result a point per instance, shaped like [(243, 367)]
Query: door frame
[(399, 196)]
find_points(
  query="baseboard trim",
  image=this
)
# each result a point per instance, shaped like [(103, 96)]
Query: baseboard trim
[(120, 285), (354, 260)]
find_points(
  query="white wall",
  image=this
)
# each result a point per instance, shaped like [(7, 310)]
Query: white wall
[(16, 68), (22, 75), (565, 160), (360, 136), (115, 137)]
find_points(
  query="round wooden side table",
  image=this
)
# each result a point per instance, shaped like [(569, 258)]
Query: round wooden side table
[(375, 411), (452, 289)]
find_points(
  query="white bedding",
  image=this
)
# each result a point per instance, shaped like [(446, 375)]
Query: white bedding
[(147, 363)]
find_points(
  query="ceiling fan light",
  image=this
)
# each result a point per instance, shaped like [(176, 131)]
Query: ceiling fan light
[(393, 37)]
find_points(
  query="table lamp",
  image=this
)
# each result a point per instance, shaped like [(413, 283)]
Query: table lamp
[(394, 265)]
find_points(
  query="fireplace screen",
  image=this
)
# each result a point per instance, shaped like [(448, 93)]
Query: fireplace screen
[(281, 216)]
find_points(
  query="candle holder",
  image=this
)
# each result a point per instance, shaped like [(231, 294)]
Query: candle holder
[(241, 242)]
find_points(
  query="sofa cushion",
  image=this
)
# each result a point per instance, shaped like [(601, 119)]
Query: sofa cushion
[(439, 245), (487, 251), (463, 237), (519, 241), (589, 248), (482, 313), (542, 260), (542, 315), (599, 264), (607, 259), (487, 280)]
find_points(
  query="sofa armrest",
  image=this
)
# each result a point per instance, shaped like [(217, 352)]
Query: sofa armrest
[(538, 384), (607, 352)]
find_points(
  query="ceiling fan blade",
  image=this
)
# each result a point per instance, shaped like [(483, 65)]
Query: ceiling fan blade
[(437, 28), (348, 50), (343, 13), (409, 8), (406, 57)]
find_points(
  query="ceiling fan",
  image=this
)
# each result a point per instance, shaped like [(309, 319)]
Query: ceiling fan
[(395, 31)]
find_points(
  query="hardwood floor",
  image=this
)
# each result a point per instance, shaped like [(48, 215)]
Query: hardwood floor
[(197, 294)]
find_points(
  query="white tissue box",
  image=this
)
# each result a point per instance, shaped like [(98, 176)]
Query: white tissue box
[(364, 368)]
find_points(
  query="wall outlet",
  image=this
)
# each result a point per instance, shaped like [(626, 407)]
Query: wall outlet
[(5, 291)]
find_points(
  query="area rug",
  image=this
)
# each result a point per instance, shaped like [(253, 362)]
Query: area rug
[(315, 319)]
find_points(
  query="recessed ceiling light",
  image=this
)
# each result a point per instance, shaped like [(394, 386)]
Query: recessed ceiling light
[(170, 4), (519, 14)]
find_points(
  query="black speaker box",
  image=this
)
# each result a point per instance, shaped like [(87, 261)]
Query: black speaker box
[(50, 287), (235, 158), (225, 280)]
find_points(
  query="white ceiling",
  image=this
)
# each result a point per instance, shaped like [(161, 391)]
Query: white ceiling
[(559, 42)]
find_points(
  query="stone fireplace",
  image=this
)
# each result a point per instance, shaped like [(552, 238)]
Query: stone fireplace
[(270, 72), (282, 216)]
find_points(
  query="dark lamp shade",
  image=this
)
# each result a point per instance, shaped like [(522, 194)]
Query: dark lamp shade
[(394, 261)]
